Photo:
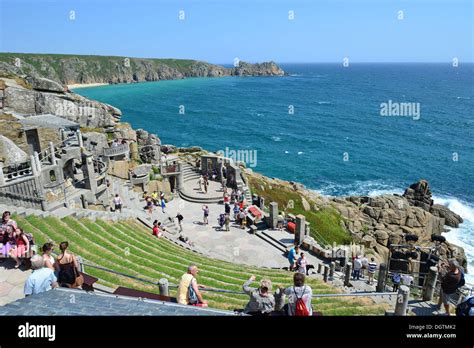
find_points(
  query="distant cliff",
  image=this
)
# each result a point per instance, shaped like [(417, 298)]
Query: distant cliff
[(78, 69)]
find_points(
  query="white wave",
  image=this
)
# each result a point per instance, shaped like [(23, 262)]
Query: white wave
[(300, 152), (360, 188), (287, 152), (260, 114), (274, 138), (465, 98), (323, 102)]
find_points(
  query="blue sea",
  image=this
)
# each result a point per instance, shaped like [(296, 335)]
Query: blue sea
[(322, 126)]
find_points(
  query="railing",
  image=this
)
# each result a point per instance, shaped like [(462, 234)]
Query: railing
[(118, 150)]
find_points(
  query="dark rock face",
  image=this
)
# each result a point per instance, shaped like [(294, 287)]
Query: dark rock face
[(419, 195), (148, 146), (451, 218)]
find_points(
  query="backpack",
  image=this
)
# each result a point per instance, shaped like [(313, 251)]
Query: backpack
[(465, 307), (300, 310), (193, 299), (30, 238)]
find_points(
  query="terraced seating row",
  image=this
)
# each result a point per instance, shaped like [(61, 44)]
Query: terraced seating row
[(129, 247)]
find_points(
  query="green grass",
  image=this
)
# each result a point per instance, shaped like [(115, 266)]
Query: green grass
[(129, 247), (325, 222)]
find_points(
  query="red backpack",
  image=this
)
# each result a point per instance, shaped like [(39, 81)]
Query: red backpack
[(300, 310)]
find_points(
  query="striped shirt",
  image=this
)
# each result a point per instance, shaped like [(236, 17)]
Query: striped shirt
[(372, 267)]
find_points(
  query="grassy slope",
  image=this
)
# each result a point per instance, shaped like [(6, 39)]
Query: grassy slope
[(129, 248), (326, 222)]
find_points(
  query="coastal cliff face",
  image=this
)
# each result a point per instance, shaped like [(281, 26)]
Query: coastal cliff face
[(75, 69)]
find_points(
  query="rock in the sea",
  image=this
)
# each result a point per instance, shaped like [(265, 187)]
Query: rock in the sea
[(419, 195), (451, 219)]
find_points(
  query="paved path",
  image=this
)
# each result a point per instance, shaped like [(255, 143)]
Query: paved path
[(12, 282)]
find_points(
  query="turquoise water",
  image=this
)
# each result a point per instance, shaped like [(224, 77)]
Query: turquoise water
[(336, 142)]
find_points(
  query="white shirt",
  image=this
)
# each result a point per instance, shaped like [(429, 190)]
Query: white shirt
[(357, 264), (406, 279)]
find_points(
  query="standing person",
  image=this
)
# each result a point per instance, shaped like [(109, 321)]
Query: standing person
[(180, 221), (292, 256), (396, 281), (357, 268), (205, 210), (221, 220), (67, 267), (262, 301), (242, 219), (451, 279), (118, 203), (233, 196), (188, 289), (149, 205), (371, 268), (7, 239), (47, 257), (302, 263), (21, 247), (226, 198), (299, 297), (205, 184), (227, 208), (200, 183), (154, 197), (7, 221), (163, 205), (227, 222), (42, 279), (236, 212)]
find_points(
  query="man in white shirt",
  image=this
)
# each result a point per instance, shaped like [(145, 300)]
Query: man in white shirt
[(407, 279), (42, 279)]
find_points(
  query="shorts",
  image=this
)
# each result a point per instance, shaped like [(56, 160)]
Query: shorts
[(118, 206), (19, 251), (447, 298)]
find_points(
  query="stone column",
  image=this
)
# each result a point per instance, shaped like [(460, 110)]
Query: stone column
[(331, 270), (430, 284), (2, 177), (326, 273), (381, 279), (89, 173), (347, 274), (79, 138), (402, 300), (53, 156), (320, 267), (163, 287), (134, 151), (34, 169), (37, 162), (179, 178), (307, 229), (300, 229), (262, 203), (273, 214)]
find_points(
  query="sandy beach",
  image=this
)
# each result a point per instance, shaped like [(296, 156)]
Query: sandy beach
[(83, 85)]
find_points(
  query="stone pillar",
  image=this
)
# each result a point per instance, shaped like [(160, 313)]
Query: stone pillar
[(300, 229), (84, 202), (307, 229), (179, 178), (331, 270), (37, 162), (89, 173), (381, 279), (326, 273), (163, 286), (262, 203), (347, 274), (320, 267), (79, 138), (63, 136), (134, 151), (273, 214), (53, 156), (430, 284), (279, 300), (402, 300), (80, 263), (2, 177)]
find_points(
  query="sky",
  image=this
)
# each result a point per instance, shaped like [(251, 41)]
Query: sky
[(219, 31)]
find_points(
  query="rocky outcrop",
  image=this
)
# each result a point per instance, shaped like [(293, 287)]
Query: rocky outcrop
[(75, 69), (51, 98), (10, 153), (419, 195), (149, 146)]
